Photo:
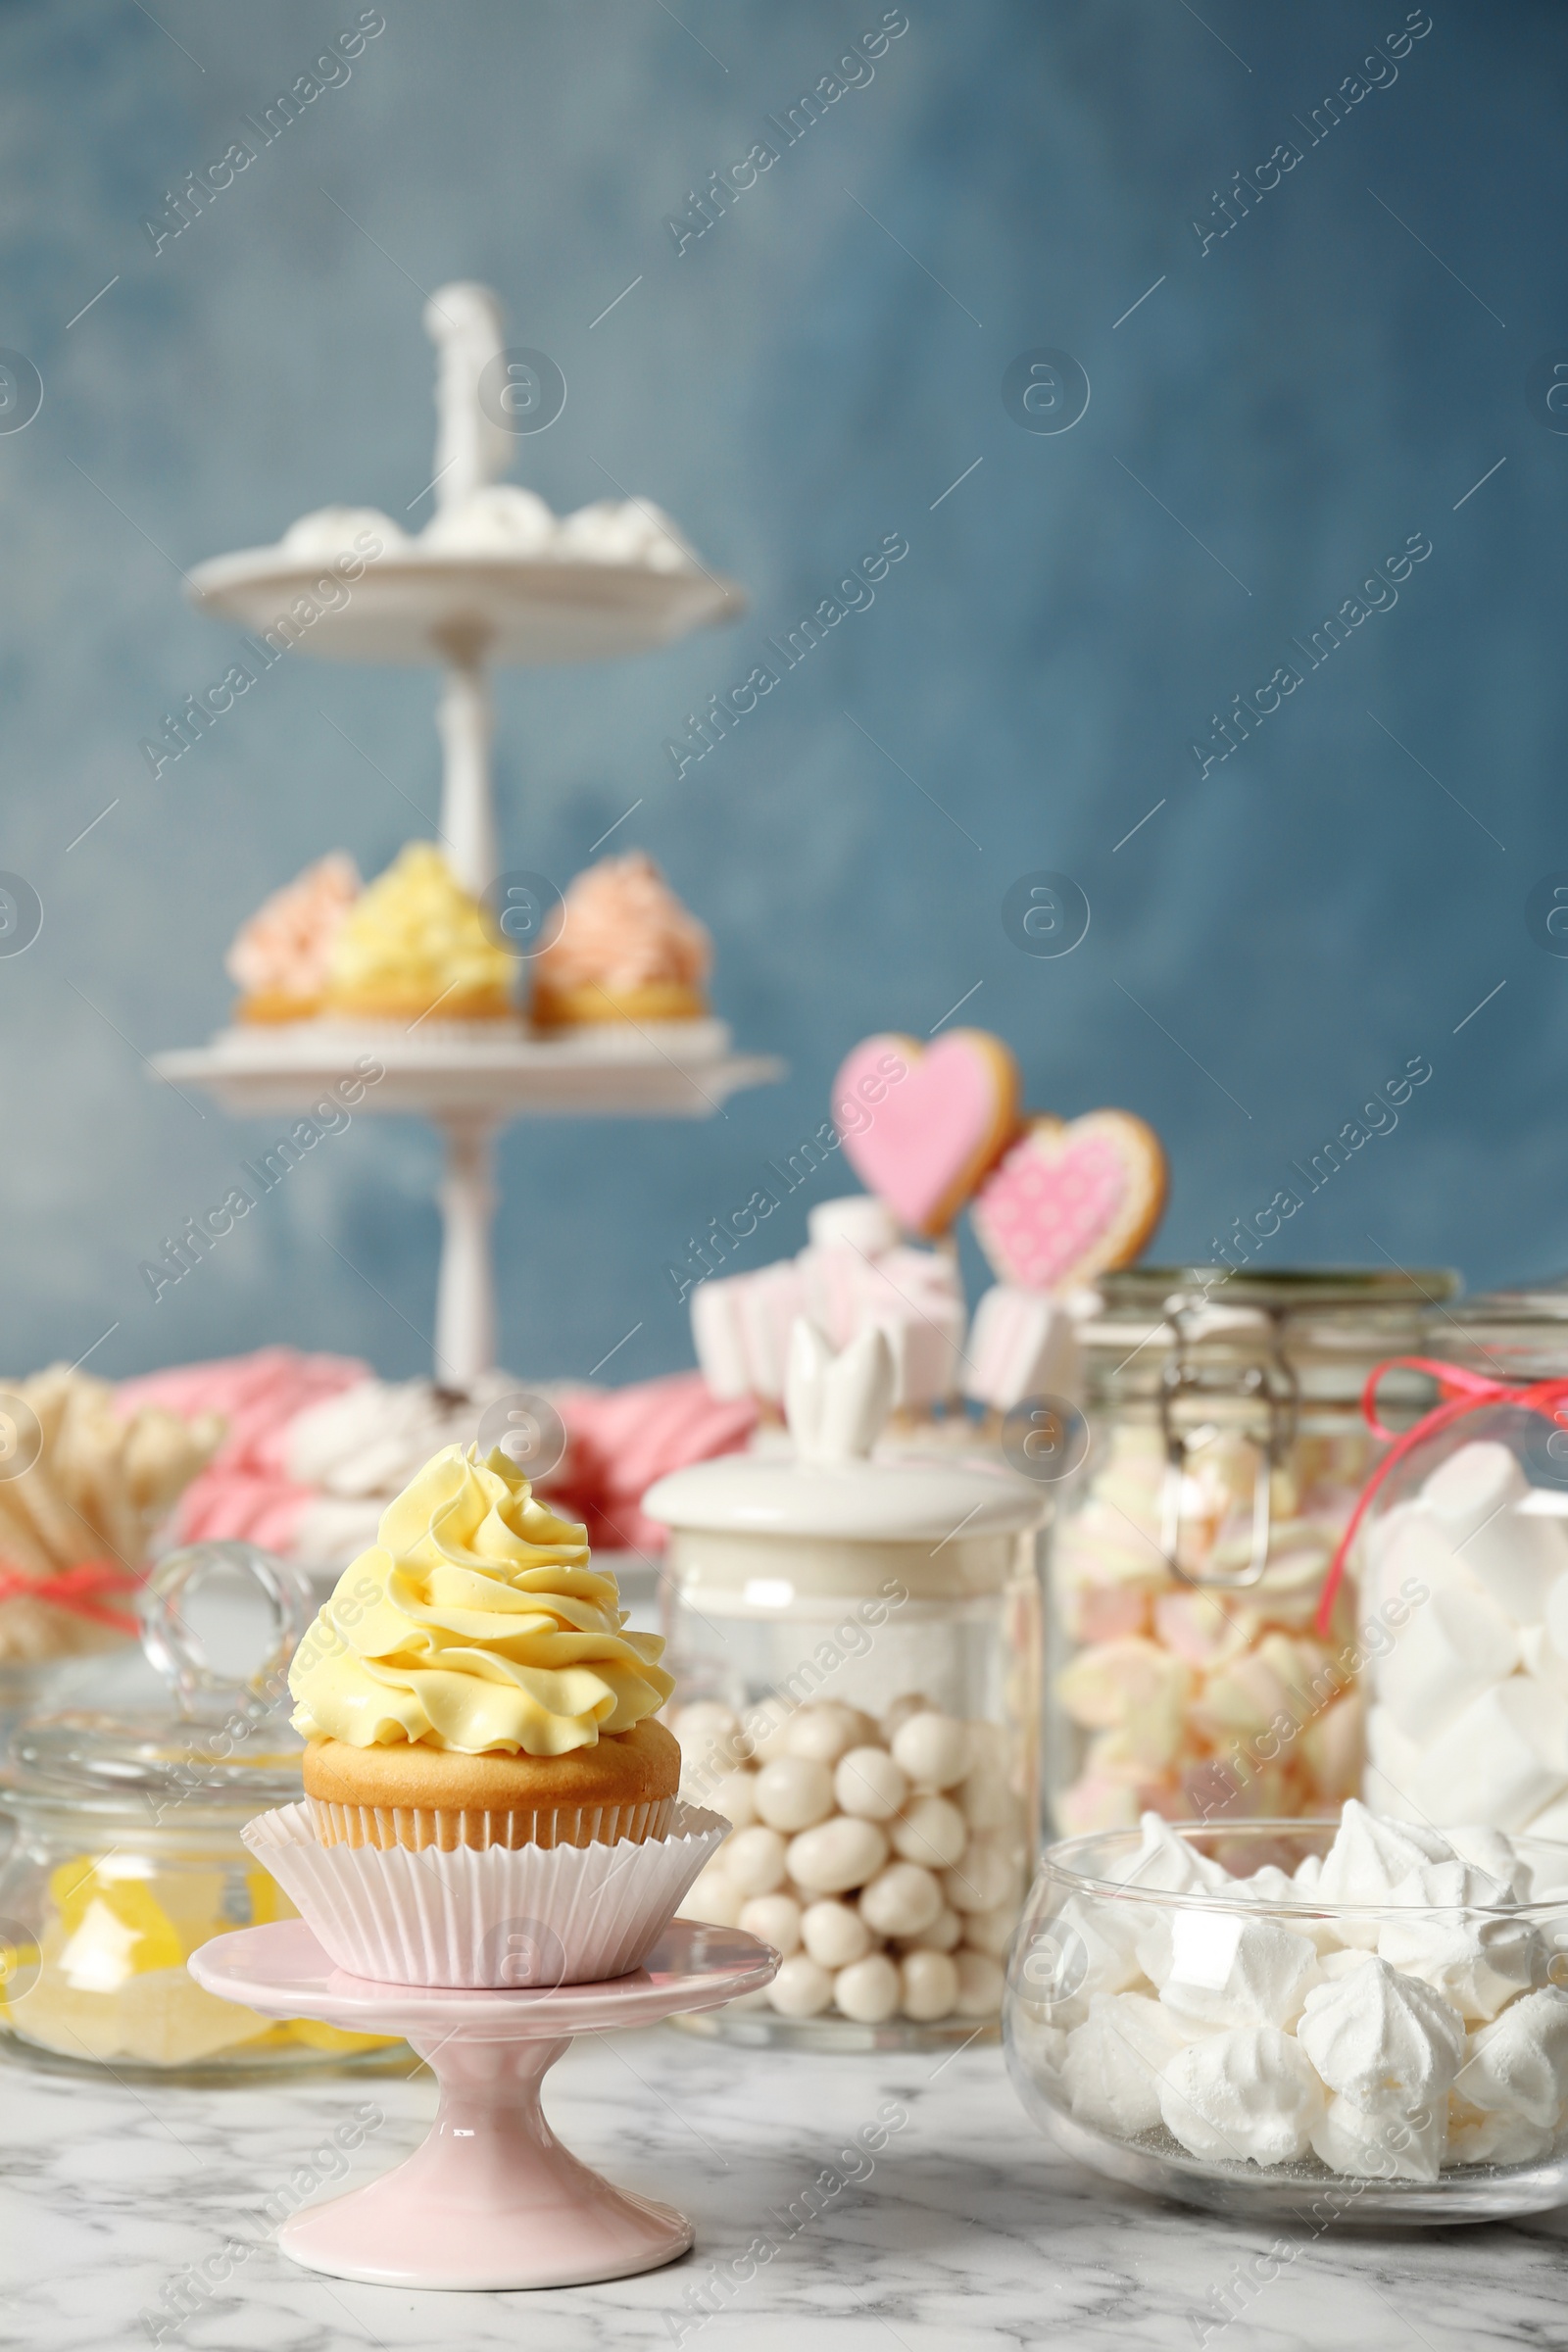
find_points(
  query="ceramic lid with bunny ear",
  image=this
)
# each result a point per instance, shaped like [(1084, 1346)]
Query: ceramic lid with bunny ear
[(856, 1646), (834, 1490)]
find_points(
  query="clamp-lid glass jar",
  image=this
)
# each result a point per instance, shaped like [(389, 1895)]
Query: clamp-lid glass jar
[(857, 1650), (1227, 1448), (1464, 1581), (127, 1856)]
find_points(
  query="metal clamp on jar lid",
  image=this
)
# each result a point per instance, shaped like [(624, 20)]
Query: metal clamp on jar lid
[(1223, 1395)]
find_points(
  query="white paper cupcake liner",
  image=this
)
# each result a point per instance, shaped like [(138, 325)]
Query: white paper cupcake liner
[(391, 1826), (482, 1918)]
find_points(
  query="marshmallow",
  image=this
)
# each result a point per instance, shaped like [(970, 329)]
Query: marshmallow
[(1022, 1344), (717, 1338), (1229, 1970), (1473, 1498), (1542, 1658), (1451, 1648), (1132, 1685), (1549, 1872), (1387, 2043), (835, 1935), (1503, 1758), (1556, 1616), (853, 1221), (1248, 2093), (1393, 1758), (1518, 2065), (868, 1990), (1115, 2059), (1449, 1925), (1392, 2144)]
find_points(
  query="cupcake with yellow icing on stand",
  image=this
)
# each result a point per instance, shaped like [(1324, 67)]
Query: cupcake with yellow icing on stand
[(483, 1750), (414, 948)]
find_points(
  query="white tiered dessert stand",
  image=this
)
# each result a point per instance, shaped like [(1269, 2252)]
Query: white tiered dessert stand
[(467, 613)]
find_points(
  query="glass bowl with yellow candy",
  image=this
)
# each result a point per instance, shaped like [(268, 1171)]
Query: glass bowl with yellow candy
[(127, 1856)]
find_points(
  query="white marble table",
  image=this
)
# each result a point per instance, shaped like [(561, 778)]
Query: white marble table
[(968, 2229)]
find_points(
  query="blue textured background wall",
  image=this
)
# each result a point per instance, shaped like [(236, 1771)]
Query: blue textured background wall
[(1283, 411)]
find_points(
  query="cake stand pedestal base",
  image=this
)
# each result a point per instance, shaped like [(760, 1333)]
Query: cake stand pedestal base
[(492, 2199)]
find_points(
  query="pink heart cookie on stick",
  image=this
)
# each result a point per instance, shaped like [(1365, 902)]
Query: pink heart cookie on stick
[(921, 1126), (1071, 1200)]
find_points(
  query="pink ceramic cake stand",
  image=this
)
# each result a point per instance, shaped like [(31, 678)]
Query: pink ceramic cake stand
[(492, 2199)]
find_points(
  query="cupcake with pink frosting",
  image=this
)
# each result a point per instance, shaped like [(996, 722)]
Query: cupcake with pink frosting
[(627, 951), (280, 956)]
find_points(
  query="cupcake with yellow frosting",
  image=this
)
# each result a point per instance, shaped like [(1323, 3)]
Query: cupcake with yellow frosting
[(489, 1802), (414, 946), (471, 1681), (627, 951)]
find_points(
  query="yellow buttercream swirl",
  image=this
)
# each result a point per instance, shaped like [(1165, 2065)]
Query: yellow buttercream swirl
[(475, 1624), (416, 932)]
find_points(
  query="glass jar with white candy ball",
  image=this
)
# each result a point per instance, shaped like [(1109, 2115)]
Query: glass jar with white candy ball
[(855, 1642)]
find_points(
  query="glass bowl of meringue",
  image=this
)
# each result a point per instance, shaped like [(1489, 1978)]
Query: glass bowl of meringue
[(1357, 2019)]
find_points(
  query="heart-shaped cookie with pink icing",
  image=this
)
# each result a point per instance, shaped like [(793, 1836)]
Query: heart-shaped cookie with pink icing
[(1071, 1199), (920, 1125)]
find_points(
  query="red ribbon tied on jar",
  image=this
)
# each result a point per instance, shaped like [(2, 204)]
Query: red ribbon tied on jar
[(1461, 1393), (86, 1591)]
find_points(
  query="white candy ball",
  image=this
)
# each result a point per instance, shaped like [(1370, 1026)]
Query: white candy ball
[(713, 1897), (901, 1900), (985, 1798), (732, 1795), (774, 1918), (867, 1990), (983, 1879), (822, 1733), (980, 1982), (801, 1988), (944, 1935), (933, 1749), (766, 1730), (792, 1794), (930, 1830), (708, 1734), (836, 1855), (870, 1784), (930, 1986), (990, 1931), (755, 1859), (834, 1934), (913, 1702)]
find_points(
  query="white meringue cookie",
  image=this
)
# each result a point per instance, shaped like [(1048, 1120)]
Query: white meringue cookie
[(1518, 2065), (1368, 1858), (1389, 2145), (1494, 1853), (1115, 2060), (1478, 1958), (1251, 2093), (1477, 2135), (1385, 2042), (1228, 1969), (1165, 1864)]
